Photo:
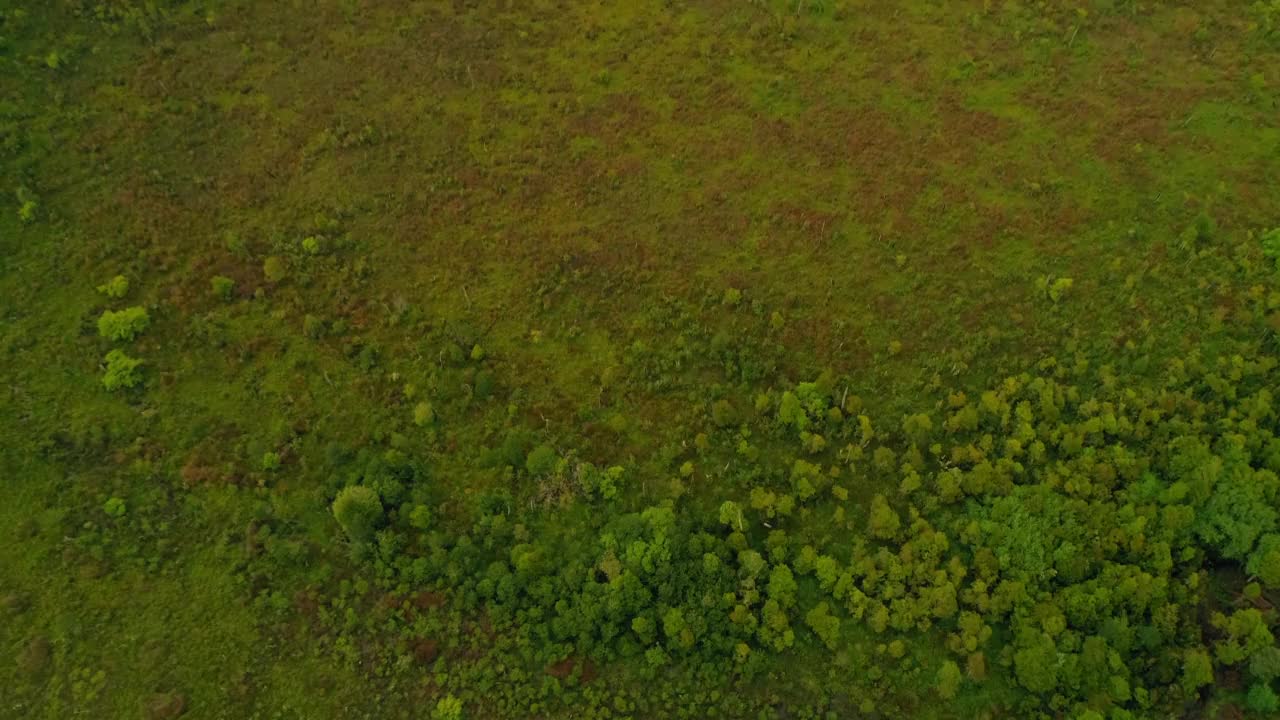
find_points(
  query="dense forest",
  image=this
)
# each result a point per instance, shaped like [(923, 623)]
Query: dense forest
[(691, 358)]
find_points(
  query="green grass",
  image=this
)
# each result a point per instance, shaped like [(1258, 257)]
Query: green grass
[(573, 188)]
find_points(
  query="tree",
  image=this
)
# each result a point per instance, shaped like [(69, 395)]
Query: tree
[(124, 325), (791, 412), (117, 287), (122, 371), (948, 680), (358, 510), (884, 522), (731, 514), (448, 708), (222, 287), (1197, 671), (673, 623), (541, 461), (782, 586), (1262, 699), (823, 624), (1265, 663), (1264, 562), (274, 269), (1036, 663), (775, 628)]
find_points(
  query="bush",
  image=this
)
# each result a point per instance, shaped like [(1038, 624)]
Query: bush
[(222, 287), (116, 287), (358, 510), (1262, 699), (124, 325), (274, 269), (542, 461), (122, 371), (270, 461), (114, 507), (423, 414), (448, 708), (948, 680)]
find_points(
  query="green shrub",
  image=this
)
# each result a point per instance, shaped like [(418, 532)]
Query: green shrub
[(358, 510), (948, 680), (122, 371), (420, 517), (114, 507), (124, 325), (222, 287), (270, 461), (448, 708), (117, 287), (542, 461), (1262, 699), (275, 269), (423, 414)]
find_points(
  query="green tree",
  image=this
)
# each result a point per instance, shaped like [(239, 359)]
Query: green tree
[(358, 510), (448, 708), (948, 680), (1264, 664), (222, 287), (1264, 562), (884, 522), (823, 624), (731, 514), (117, 287), (782, 586), (121, 372), (1036, 662), (274, 269), (541, 461), (124, 325), (775, 628), (1262, 699), (791, 412), (673, 623)]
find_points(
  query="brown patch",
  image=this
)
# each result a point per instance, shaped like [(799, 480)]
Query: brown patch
[(565, 668), (306, 603), (427, 600), (426, 651)]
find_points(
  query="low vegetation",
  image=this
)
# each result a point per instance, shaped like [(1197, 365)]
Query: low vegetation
[(750, 360)]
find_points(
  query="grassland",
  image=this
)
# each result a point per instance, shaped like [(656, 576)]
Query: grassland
[(573, 288)]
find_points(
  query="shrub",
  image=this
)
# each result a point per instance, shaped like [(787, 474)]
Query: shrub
[(121, 372), (823, 624), (420, 517), (1197, 671), (948, 680), (222, 287), (423, 414), (1264, 562), (116, 287), (448, 708), (124, 325), (270, 461), (114, 507), (542, 461), (1271, 245), (274, 269), (1262, 699), (358, 510)]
